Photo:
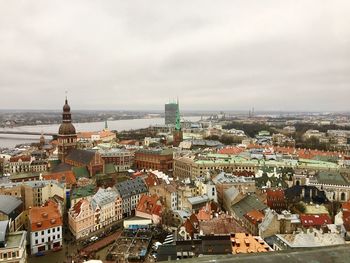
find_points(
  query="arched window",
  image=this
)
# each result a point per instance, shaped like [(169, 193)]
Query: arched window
[(342, 196)]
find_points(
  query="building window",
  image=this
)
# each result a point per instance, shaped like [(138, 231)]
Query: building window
[(342, 196), (36, 234)]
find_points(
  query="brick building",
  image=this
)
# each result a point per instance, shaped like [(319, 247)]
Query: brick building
[(276, 200), (89, 159), (161, 160), (122, 159)]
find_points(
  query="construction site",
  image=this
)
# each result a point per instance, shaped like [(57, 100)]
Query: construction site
[(132, 245)]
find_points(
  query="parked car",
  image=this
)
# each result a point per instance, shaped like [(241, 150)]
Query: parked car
[(94, 238)]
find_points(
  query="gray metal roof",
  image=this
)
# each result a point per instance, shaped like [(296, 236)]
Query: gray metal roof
[(198, 199), (131, 187), (9, 203), (3, 230), (104, 196), (247, 204)]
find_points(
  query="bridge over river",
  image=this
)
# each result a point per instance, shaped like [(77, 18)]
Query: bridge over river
[(28, 133)]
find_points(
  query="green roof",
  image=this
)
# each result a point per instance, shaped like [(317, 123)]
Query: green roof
[(264, 133), (275, 182), (83, 191), (54, 163), (332, 159), (238, 159), (333, 178), (80, 172), (23, 176), (316, 163), (110, 168)]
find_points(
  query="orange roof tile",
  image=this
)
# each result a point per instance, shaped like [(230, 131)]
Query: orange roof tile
[(45, 217), (24, 158), (254, 216), (66, 177), (246, 243), (149, 205), (152, 180), (231, 150), (203, 215), (346, 206), (315, 220)]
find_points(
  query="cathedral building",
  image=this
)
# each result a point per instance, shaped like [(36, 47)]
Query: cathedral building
[(67, 137)]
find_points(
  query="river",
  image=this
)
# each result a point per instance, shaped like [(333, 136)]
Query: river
[(11, 140)]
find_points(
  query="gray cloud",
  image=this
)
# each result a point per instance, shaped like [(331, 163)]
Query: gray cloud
[(222, 55)]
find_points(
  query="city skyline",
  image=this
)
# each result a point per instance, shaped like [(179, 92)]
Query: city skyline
[(232, 55)]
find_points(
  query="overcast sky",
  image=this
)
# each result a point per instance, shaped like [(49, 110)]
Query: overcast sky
[(213, 55)]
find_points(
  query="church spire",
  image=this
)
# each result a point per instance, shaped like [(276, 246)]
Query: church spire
[(177, 123)]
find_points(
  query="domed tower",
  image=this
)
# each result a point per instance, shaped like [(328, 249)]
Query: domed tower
[(67, 137)]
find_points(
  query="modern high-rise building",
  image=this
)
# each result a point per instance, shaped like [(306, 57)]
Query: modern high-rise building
[(170, 113)]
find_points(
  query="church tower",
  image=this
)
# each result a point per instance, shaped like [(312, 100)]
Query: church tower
[(177, 135), (67, 137)]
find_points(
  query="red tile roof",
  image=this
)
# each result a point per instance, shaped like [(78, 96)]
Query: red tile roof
[(207, 211), (346, 206), (203, 214), (255, 216), (149, 205), (191, 225), (346, 220), (24, 158), (315, 220), (274, 194), (231, 150), (45, 217), (152, 180), (77, 206), (66, 177), (302, 153)]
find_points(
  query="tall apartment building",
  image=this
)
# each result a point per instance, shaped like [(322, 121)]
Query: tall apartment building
[(170, 113)]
